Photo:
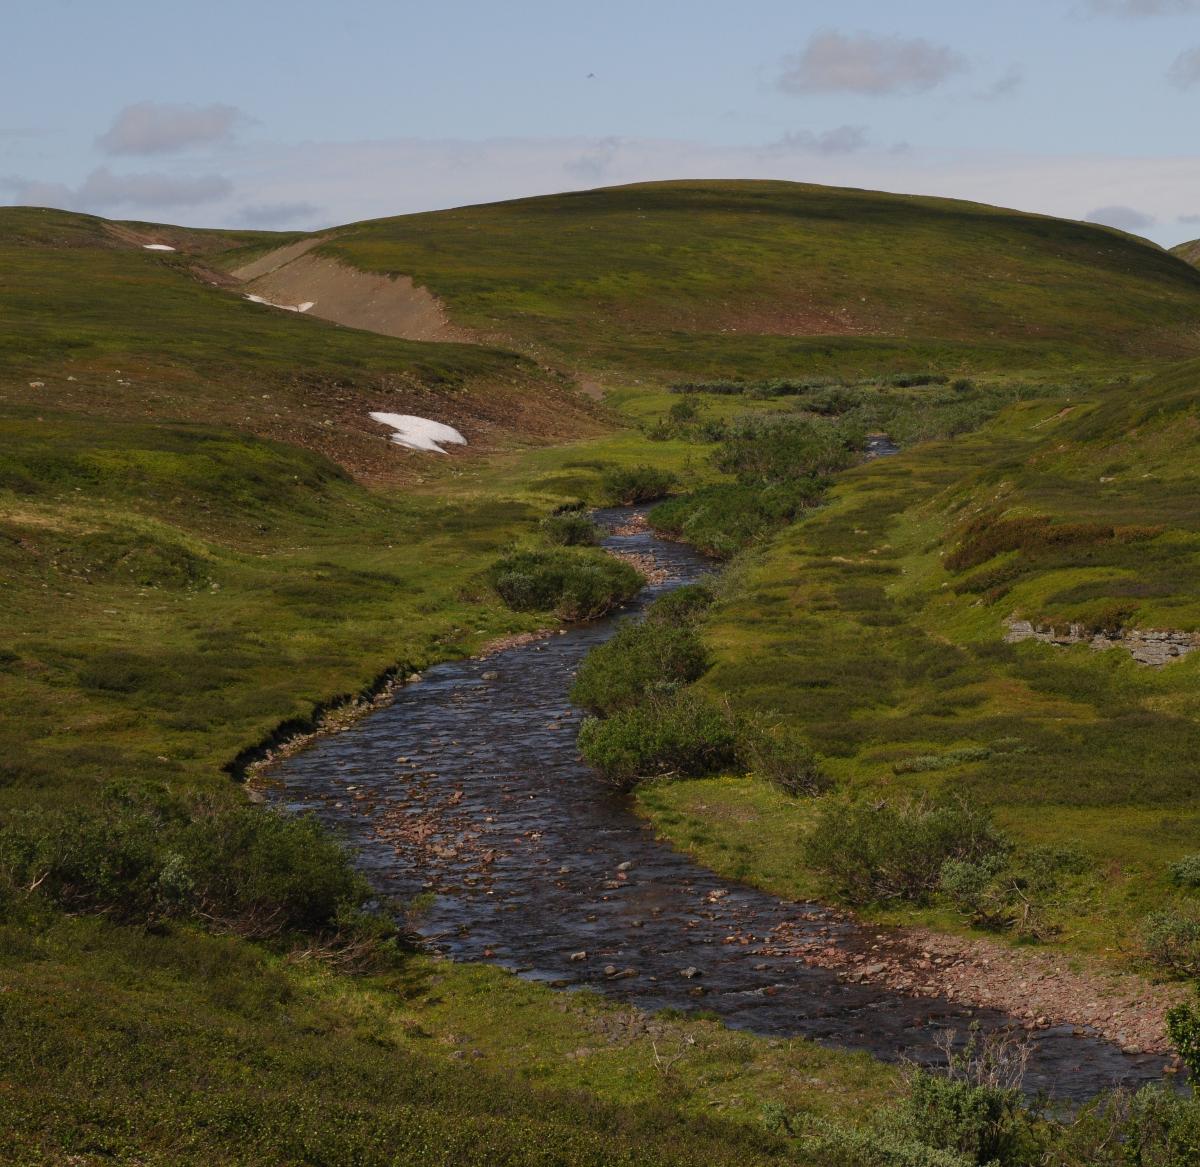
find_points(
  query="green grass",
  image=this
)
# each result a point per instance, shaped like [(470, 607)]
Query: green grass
[(855, 628), (754, 279)]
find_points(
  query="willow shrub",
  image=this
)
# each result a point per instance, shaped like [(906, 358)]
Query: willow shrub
[(574, 583)]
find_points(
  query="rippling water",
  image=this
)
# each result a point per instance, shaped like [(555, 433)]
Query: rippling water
[(469, 787)]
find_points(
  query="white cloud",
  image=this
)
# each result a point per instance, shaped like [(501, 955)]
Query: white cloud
[(103, 191), (835, 62), (594, 163), (840, 140), (1126, 218), (1185, 69), (149, 127)]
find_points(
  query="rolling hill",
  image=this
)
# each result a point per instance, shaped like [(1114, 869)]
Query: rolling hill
[(741, 278)]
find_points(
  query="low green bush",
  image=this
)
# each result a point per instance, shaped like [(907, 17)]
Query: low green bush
[(643, 660), (684, 605), (142, 855), (680, 735), (779, 754), (721, 520), (574, 583), (627, 485), (1170, 938), (1185, 872), (570, 529), (872, 852)]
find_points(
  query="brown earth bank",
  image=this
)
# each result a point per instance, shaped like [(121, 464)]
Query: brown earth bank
[(1043, 988)]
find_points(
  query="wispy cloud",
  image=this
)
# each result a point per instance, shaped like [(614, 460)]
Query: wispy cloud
[(272, 215), (1136, 8), (840, 140), (148, 127), (1122, 217), (879, 66), (1006, 84), (102, 190), (1185, 69)]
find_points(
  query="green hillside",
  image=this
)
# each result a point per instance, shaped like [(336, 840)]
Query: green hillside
[(1189, 252), (204, 541), (742, 278)]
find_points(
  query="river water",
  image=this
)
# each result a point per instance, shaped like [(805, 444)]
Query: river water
[(469, 788)]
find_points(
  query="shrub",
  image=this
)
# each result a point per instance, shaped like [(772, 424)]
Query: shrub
[(1171, 939), (720, 520), (626, 485), (785, 449), (142, 855), (779, 755), (651, 659), (684, 605), (873, 852), (1186, 871), (683, 735), (575, 584), (570, 529)]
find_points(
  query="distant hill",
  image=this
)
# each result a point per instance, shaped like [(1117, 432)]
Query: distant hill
[(1189, 252), (743, 277)]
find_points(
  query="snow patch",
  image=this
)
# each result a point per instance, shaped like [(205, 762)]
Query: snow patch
[(419, 433), (157, 247), (285, 307)]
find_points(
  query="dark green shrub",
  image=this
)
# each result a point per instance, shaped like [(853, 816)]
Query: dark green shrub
[(721, 520), (685, 605), (574, 583), (682, 735), (779, 448), (779, 754), (1171, 939), (626, 485), (141, 855), (570, 529), (874, 852), (1185, 872), (652, 659)]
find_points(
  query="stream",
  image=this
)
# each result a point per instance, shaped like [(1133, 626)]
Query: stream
[(468, 789)]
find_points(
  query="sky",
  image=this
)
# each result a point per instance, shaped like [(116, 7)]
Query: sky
[(304, 115)]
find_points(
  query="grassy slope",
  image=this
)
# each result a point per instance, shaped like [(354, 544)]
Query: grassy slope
[(852, 627), (1189, 252), (188, 556), (758, 278)]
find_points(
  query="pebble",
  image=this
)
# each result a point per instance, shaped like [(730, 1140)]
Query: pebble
[(578, 956), (690, 972)]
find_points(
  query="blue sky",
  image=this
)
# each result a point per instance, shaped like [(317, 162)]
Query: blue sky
[(305, 114)]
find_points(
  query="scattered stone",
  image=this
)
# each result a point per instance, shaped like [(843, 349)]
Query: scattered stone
[(490, 677), (578, 956), (690, 972)]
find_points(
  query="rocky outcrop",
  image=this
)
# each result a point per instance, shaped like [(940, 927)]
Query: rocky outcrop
[(1147, 646)]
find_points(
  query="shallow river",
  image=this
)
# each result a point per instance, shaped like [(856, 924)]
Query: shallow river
[(469, 787)]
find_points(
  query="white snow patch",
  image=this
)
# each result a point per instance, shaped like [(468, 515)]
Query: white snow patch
[(157, 247), (419, 433), (285, 307)]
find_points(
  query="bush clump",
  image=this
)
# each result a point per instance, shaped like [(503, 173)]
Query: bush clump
[(779, 755), (627, 485), (678, 735), (141, 855), (570, 529), (651, 659), (1185, 872), (881, 851), (1171, 939), (573, 583)]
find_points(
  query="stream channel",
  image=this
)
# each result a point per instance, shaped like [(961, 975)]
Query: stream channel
[(468, 788)]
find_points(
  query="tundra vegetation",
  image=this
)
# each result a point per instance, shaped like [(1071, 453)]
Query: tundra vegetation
[(204, 543)]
